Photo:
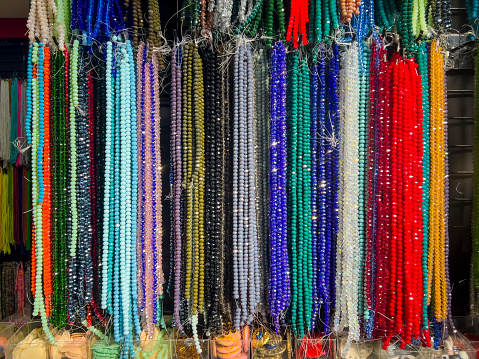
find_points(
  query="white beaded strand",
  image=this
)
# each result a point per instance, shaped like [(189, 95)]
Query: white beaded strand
[(348, 235)]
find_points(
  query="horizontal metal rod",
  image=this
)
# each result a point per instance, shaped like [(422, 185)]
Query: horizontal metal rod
[(464, 118), (461, 173)]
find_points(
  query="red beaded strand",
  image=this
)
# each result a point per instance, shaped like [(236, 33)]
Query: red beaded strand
[(298, 18), (384, 210), (47, 200), (399, 201)]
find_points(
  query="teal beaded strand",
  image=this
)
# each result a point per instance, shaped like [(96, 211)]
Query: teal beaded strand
[(307, 207), (363, 145), (422, 57), (292, 138)]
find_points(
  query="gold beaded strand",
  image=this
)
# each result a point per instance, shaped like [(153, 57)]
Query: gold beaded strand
[(199, 177), (194, 169), (436, 254)]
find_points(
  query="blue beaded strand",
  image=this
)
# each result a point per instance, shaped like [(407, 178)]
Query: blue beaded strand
[(41, 122), (333, 151), (143, 183), (134, 190), (280, 293), (117, 317), (113, 176), (153, 191), (315, 188), (106, 272), (324, 194)]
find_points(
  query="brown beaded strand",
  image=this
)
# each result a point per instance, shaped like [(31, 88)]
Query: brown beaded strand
[(348, 8), (137, 20), (154, 27)]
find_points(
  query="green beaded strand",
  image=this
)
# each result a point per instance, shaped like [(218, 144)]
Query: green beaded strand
[(307, 209), (60, 207), (292, 136)]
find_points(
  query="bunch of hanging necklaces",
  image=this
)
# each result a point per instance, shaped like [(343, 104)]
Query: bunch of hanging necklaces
[(308, 186)]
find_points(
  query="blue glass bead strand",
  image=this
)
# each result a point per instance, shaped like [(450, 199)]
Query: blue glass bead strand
[(279, 281)]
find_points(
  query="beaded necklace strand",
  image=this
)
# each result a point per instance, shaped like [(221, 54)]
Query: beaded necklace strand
[(226, 269), (43, 14), (364, 62), (134, 193), (33, 103), (84, 275), (262, 104), (316, 193), (193, 140), (422, 57), (299, 16), (321, 193), (116, 298), (159, 277), (253, 245), (188, 163), (176, 158), (332, 169), (370, 220), (279, 294), (245, 232), (107, 209), (39, 110), (399, 161), (238, 189), (348, 237), (150, 275), (47, 204), (299, 195), (60, 203), (261, 17), (437, 250), (306, 192), (213, 193), (378, 177), (292, 185)]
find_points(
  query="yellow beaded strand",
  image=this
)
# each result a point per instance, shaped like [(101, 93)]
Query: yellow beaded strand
[(199, 180), (436, 254), (194, 169)]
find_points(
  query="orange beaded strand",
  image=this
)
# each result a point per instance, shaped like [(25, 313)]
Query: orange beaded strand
[(436, 265)]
